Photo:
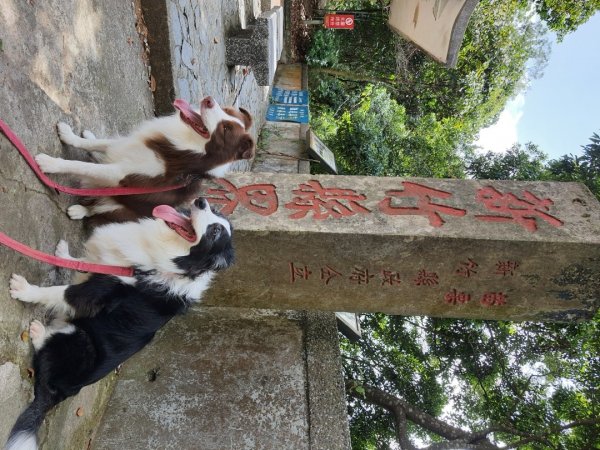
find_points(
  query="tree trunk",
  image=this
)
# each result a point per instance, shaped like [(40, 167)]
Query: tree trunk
[(352, 76)]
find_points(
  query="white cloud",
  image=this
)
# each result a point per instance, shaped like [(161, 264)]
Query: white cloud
[(503, 134)]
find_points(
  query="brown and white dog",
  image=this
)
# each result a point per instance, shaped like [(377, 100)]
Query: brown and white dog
[(166, 151)]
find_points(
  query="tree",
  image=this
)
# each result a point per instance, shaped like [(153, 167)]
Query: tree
[(373, 136), (448, 384), (473, 384), (517, 163), (495, 62), (564, 17), (585, 168)]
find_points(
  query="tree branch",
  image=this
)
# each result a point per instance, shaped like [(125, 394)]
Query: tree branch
[(404, 411), (543, 438), (398, 406)]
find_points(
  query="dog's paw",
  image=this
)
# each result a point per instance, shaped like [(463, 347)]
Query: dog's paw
[(37, 333), (77, 212), (47, 163), (20, 289), (62, 249), (87, 134), (65, 133)]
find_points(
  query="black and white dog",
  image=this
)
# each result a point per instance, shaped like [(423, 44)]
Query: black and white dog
[(105, 319)]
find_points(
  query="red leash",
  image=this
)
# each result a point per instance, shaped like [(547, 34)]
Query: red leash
[(55, 260), (63, 262), (100, 192)]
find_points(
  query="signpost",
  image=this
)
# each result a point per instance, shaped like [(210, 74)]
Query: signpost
[(319, 150), (437, 26), (289, 96), (287, 113), (288, 105), (339, 21)]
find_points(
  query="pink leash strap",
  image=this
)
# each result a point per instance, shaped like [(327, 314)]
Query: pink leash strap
[(63, 262), (101, 192), (55, 260)]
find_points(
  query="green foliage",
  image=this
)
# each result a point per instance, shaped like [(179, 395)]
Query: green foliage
[(502, 49), (443, 109), (431, 147), (564, 17), (530, 379), (375, 137), (585, 168), (517, 163), (324, 49), (367, 138)]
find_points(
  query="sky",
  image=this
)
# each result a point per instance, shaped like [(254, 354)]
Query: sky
[(560, 111)]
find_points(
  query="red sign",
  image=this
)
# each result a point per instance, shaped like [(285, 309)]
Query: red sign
[(344, 21)]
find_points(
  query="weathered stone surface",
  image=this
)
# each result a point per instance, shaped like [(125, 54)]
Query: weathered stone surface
[(72, 423), (328, 422), (448, 248), (78, 62), (187, 40), (280, 148), (259, 46), (186, 390)]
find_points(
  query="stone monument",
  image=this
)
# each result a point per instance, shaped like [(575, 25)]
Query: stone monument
[(447, 248)]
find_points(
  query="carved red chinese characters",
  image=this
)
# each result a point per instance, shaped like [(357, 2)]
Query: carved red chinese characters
[(509, 208), (424, 207), (493, 299), (313, 200), (258, 198), (454, 297), (325, 202), (298, 272)]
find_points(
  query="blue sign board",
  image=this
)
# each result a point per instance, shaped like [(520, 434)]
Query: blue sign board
[(287, 113), (289, 97)]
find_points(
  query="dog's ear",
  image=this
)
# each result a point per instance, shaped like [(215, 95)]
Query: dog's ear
[(246, 147), (223, 259), (247, 118), (202, 259)]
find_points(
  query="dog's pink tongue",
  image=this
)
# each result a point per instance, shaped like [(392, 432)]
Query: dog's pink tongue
[(191, 117), (177, 221), (184, 107)]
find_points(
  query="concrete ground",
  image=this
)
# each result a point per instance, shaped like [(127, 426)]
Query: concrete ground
[(232, 378), (79, 62)]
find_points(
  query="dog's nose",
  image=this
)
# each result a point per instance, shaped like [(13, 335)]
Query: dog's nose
[(208, 102), (200, 203)]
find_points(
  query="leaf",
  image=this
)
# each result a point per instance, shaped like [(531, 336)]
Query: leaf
[(360, 390)]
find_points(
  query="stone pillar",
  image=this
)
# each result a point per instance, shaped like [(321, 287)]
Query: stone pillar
[(446, 248)]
